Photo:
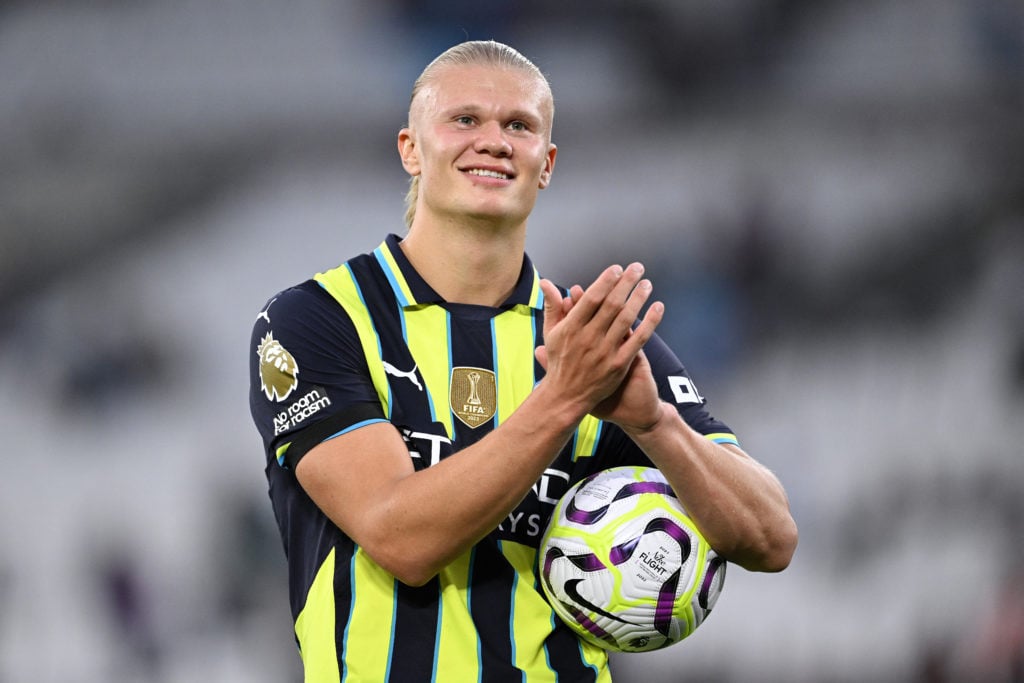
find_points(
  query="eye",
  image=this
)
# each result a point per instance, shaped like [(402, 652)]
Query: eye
[(464, 120), (518, 126)]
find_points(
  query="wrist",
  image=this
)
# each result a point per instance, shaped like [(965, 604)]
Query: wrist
[(565, 410), (660, 418)]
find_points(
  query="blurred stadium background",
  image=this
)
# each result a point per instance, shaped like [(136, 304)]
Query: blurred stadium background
[(829, 196)]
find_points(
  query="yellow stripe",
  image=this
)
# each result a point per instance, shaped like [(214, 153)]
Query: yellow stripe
[(457, 656), (597, 658), (368, 634), (536, 294), (532, 620), (723, 437), (341, 285), (314, 628), (395, 275), (426, 331), (531, 614), (513, 350), (586, 438), (281, 450)]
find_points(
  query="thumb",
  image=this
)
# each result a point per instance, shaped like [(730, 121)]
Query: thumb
[(541, 354), (554, 310)]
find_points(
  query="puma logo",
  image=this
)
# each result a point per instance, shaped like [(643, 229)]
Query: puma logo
[(265, 313), (410, 375)]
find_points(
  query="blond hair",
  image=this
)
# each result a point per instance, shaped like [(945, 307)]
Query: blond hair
[(470, 53)]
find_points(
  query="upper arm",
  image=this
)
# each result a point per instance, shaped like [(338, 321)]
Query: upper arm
[(317, 408), (350, 475), (308, 376)]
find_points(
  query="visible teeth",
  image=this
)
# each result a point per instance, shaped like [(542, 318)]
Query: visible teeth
[(488, 174)]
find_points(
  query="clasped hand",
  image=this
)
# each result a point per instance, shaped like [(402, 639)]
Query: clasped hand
[(593, 353)]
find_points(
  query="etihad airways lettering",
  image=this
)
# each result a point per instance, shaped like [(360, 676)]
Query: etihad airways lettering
[(542, 488), (433, 445), (522, 523), (551, 486)]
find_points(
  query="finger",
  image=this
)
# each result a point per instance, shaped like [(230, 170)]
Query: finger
[(575, 292), (541, 354), (644, 330), (630, 312), (587, 303), (618, 315), (554, 308), (619, 299)]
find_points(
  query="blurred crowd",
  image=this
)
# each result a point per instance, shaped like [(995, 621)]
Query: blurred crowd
[(829, 197)]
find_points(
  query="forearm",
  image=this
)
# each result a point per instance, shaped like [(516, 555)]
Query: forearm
[(738, 504), (413, 523)]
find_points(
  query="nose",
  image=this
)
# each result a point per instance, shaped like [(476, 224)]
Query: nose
[(492, 140)]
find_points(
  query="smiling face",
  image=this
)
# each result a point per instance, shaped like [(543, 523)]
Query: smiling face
[(479, 139)]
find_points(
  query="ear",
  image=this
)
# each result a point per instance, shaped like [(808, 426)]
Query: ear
[(549, 166), (408, 151)]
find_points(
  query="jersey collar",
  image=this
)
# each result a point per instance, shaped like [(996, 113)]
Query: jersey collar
[(412, 290)]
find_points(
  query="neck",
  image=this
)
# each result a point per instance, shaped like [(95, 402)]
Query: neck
[(468, 264)]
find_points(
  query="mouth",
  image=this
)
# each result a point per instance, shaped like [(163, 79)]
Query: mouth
[(489, 173)]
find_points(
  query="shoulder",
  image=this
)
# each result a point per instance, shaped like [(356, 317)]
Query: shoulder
[(301, 314), (312, 296), (293, 301)]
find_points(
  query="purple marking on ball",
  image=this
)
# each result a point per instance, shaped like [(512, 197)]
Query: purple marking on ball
[(549, 558), (623, 551), (674, 531), (710, 577), (641, 487), (666, 604), (588, 562), (574, 514), (590, 626)]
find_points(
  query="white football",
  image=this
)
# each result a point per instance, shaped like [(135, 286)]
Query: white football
[(624, 565)]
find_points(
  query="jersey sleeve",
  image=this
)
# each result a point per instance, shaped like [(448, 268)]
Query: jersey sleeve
[(308, 378), (676, 387)]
